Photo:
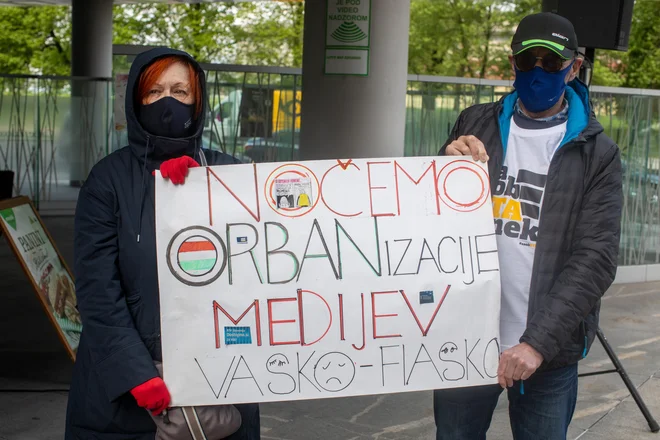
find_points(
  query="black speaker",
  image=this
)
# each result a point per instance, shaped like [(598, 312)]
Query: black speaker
[(599, 24)]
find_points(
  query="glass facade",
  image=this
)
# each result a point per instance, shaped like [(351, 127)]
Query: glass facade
[(50, 139)]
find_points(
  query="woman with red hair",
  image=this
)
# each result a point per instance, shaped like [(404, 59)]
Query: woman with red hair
[(115, 380)]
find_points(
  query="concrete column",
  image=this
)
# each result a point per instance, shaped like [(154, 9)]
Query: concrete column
[(91, 57), (91, 38), (352, 116)]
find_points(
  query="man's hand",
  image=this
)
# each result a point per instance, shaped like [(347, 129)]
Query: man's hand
[(467, 146), (518, 363)]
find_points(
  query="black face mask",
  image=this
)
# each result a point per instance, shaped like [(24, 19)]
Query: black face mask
[(168, 117)]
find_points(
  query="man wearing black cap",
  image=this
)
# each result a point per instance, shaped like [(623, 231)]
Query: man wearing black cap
[(557, 198)]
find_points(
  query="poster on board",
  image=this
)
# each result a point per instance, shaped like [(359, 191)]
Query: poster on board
[(288, 281), (46, 269)]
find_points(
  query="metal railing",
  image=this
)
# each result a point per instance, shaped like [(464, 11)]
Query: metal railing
[(51, 139), (52, 130)]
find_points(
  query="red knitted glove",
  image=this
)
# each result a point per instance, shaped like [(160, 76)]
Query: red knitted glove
[(177, 169), (152, 395)]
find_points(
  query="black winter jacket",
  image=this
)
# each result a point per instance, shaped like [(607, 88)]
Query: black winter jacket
[(116, 277), (578, 235)]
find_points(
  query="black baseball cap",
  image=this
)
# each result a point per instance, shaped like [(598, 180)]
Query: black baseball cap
[(547, 30)]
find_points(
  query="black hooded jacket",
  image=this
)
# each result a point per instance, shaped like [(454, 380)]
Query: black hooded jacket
[(116, 275)]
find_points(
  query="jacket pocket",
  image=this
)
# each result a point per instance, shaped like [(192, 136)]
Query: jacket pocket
[(121, 416)]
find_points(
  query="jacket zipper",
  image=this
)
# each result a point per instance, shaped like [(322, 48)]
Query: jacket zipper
[(532, 288), (553, 162)]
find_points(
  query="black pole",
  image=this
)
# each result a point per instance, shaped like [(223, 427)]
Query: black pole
[(586, 71), (653, 425)]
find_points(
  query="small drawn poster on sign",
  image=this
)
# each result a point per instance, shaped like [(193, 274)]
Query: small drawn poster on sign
[(293, 193)]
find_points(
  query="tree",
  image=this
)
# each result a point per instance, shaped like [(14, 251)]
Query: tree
[(470, 38), (202, 29), (608, 69), (514, 11), (442, 34), (35, 40), (273, 34), (643, 57), (38, 39), (464, 37), (234, 33)]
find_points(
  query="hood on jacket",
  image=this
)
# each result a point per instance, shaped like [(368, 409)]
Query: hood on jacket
[(156, 149), (582, 123)]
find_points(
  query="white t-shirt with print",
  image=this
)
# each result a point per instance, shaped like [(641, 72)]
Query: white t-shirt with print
[(517, 202)]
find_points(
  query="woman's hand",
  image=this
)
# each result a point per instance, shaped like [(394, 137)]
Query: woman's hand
[(177, 169), (152, 395)]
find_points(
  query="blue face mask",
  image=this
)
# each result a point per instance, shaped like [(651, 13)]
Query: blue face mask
[(540, 90)]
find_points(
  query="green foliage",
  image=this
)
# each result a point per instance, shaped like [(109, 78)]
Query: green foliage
[(643, 57), (470, 38), (274, 35), (608, 68), (35, 40), (38, 39), (464, 37), (224, 32), (203, 30)]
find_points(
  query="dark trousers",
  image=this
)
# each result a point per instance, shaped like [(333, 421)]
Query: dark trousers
[(542, 412), (251, 426)]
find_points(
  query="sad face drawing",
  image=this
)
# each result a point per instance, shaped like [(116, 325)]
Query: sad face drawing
[(334, 372)]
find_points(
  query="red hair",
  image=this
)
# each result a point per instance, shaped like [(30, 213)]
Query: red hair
[(151, 74)]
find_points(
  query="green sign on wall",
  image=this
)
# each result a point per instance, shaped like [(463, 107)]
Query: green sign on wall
[(348, 24)]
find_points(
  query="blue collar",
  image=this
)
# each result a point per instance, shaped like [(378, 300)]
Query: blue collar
[(579, 112)]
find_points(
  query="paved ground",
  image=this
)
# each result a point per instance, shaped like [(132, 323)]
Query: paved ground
[(33, 370)]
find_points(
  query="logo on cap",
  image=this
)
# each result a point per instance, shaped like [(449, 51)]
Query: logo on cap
[(554, 34)]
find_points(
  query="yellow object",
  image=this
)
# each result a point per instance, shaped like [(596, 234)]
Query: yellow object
[(285, 108), (303, 200)]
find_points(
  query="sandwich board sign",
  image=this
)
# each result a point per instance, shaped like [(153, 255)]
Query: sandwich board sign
[(44, 266)]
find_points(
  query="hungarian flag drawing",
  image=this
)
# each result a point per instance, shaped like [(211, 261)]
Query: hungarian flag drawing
[(197, 256)]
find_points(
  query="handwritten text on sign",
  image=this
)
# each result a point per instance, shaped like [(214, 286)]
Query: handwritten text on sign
[(327, 278)]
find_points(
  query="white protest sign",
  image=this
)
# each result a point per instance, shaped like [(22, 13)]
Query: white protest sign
[(326, 279)]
